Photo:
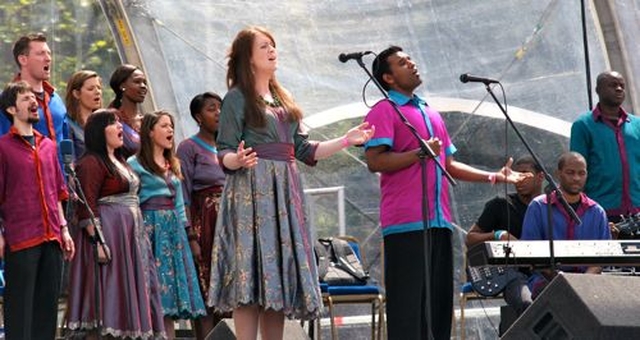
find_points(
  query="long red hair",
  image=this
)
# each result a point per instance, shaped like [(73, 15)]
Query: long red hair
[(239, 74)]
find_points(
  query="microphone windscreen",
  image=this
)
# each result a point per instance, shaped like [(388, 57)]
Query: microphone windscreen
[(66, 147)]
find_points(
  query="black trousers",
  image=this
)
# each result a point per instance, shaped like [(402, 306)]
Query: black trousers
[(31, 293), (406, 288)]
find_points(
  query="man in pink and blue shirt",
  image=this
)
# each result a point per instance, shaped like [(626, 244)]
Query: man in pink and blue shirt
[(394, 152)]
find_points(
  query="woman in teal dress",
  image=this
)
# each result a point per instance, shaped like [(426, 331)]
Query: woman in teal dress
[(165, 220), (263, 267)]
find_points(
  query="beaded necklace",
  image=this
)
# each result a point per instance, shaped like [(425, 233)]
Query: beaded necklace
[(274, 103)]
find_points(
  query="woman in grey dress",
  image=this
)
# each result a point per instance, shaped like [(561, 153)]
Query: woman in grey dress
[(263, 266)]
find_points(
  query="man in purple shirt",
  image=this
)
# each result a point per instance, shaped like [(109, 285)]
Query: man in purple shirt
[(34, 234), (395, 153)]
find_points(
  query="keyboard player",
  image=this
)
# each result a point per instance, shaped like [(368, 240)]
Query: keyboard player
[(571, 173)]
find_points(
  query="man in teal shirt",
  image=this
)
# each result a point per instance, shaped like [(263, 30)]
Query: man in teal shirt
[(609, 139)]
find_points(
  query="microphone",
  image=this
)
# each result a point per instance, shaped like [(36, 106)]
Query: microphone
[(344, 57), (465, 78), (66, 149)]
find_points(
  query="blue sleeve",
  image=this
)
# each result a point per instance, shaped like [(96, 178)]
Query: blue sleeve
[(65, 129), (603, 225), (532, 225), (180, 209), (5, 124)]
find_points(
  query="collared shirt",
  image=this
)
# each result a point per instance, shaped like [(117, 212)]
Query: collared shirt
[(31, 185), (401, 192), (594, 226), (52, 123), (612, 152)]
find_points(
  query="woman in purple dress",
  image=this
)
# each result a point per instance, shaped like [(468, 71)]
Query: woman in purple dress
[(129, 84), (127, 304), (202, 183)]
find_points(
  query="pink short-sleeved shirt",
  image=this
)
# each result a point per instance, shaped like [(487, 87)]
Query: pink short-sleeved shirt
[(400, 206)]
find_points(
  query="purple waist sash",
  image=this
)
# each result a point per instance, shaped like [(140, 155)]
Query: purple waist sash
[(158, 203), (275, 151)]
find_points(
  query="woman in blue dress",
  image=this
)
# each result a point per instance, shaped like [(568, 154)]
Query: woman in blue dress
[(163, 210)]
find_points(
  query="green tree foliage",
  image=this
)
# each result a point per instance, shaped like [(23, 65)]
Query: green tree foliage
[(77, 33)]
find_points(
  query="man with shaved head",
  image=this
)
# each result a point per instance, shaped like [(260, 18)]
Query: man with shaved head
[(571, 175), (609, 139)]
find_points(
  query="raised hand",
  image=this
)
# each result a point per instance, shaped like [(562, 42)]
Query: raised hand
[(511, 176), (360, 134)]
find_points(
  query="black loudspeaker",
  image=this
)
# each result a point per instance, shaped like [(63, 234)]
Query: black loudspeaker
[(225, 330), (582, 306), (508, 316)]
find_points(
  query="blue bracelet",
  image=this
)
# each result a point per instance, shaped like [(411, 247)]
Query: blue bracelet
[(497, 235)]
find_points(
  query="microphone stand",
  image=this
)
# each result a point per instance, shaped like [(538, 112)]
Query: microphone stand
[(74, 187), (425, 151), (552, 184)]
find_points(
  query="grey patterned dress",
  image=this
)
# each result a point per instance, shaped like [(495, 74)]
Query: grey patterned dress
[(263, 247)]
